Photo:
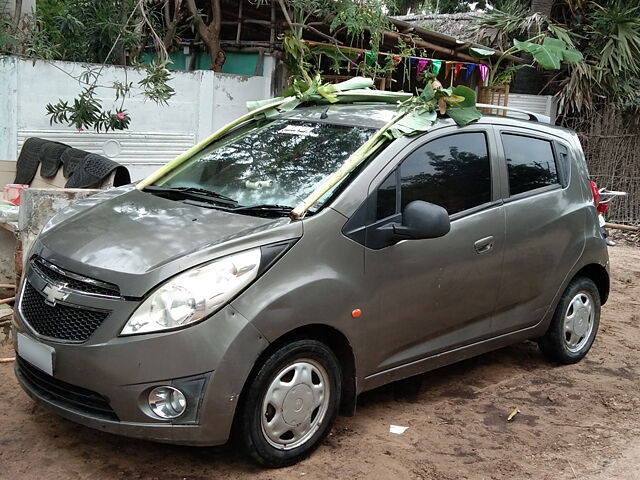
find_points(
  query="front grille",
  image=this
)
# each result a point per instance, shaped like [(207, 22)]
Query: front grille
[(59, 321), (64, 394), (73, 281)]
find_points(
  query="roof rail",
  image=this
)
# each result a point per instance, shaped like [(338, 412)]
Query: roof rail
[(534, 117)]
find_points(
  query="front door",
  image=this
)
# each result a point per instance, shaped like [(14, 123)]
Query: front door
[(440, 293)]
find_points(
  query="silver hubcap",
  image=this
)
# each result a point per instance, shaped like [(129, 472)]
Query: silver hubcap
[(295, 404), (578, 321)]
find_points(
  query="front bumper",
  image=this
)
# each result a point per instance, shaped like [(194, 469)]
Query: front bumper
[(212, 358), (161, 432)]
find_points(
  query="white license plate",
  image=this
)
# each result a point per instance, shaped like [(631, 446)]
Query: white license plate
[(37, 354)]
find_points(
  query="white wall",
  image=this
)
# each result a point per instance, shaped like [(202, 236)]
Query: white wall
[(204, 101), (543, 104), (8, 7)]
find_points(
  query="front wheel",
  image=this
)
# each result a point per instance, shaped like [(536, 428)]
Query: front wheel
[(575, 323), (290, 403)]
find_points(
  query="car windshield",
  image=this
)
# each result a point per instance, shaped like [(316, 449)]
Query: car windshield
[(277, 163)]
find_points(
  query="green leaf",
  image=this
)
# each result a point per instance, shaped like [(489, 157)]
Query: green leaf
[(550, 53), (453, 100), (468, 94), (554, 43), (361, 95), (290, 104), (463, 116), (415, 122), (354, 83), (427, 93), (254, 104), (442, 92), (547, 56), (481, 52), (572, 56)]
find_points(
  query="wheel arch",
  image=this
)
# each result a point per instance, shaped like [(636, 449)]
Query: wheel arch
[(340, 346), (599, 275)]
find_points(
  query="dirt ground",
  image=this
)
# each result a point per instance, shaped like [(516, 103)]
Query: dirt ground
[(580, 421)]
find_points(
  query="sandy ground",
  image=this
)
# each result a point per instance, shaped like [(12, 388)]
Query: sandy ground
[(576, 422)]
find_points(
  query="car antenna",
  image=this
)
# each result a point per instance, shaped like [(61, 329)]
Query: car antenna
[(324, 114)]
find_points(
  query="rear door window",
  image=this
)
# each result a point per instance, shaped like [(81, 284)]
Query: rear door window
[(530, 163), (563, 161)]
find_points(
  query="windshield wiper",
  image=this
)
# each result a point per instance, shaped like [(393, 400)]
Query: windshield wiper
[(265, 210), (192, 192)]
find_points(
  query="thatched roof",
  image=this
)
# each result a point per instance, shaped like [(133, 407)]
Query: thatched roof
[(461, 26)]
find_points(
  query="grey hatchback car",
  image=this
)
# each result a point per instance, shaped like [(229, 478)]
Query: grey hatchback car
[(195, 307)]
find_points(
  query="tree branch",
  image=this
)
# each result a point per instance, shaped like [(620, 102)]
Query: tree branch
[(285, 12), (162, 51), (317, 32), (216, 21), (171, 22), (200, 25)]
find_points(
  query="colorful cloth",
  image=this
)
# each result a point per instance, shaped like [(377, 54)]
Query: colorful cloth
[(456, 69), (484, 71), (470, 68), (422, 63)]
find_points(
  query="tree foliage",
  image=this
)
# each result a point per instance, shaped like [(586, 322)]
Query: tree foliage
[(606, 32), (363, 21), (103, 32)]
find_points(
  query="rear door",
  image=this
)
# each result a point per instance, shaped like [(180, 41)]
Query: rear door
[(544, 224), (436, 294)]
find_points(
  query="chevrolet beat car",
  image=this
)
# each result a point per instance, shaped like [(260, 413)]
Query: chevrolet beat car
[(196, 307)]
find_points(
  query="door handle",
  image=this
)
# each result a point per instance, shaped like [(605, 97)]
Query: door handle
[(484, 245)]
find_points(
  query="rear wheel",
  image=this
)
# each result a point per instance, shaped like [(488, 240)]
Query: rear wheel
[(575, 323), (290, 404)]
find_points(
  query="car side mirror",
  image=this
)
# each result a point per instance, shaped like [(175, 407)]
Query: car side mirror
[(423, 220)]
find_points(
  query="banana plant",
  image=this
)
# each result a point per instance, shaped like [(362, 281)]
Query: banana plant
[(549, 54)]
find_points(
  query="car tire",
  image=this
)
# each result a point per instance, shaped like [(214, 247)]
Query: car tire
[(575, 323), (290, 403)]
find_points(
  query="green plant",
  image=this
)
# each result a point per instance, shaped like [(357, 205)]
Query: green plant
[(7, 34), (500, 26), (605, 32), (364, 22), (86, 112), (155, 84), (98, 32), (549, 55), (609, 33)]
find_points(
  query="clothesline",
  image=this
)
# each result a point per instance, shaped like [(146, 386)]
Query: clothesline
[(454, 66), (362, 50)]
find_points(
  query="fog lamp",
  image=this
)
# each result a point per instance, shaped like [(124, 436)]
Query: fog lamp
[(167, 402)]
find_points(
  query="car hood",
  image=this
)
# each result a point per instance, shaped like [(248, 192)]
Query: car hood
[(135, 233)]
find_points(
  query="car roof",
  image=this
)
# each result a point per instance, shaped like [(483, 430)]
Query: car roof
[(374, 115), (377, 115)]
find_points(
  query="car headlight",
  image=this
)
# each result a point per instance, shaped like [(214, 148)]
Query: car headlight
[(194, 294)]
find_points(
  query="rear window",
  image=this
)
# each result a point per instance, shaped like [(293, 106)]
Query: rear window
[(530, 163)]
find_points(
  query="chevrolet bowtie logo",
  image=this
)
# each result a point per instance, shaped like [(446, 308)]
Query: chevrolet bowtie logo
[(55, 293)]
